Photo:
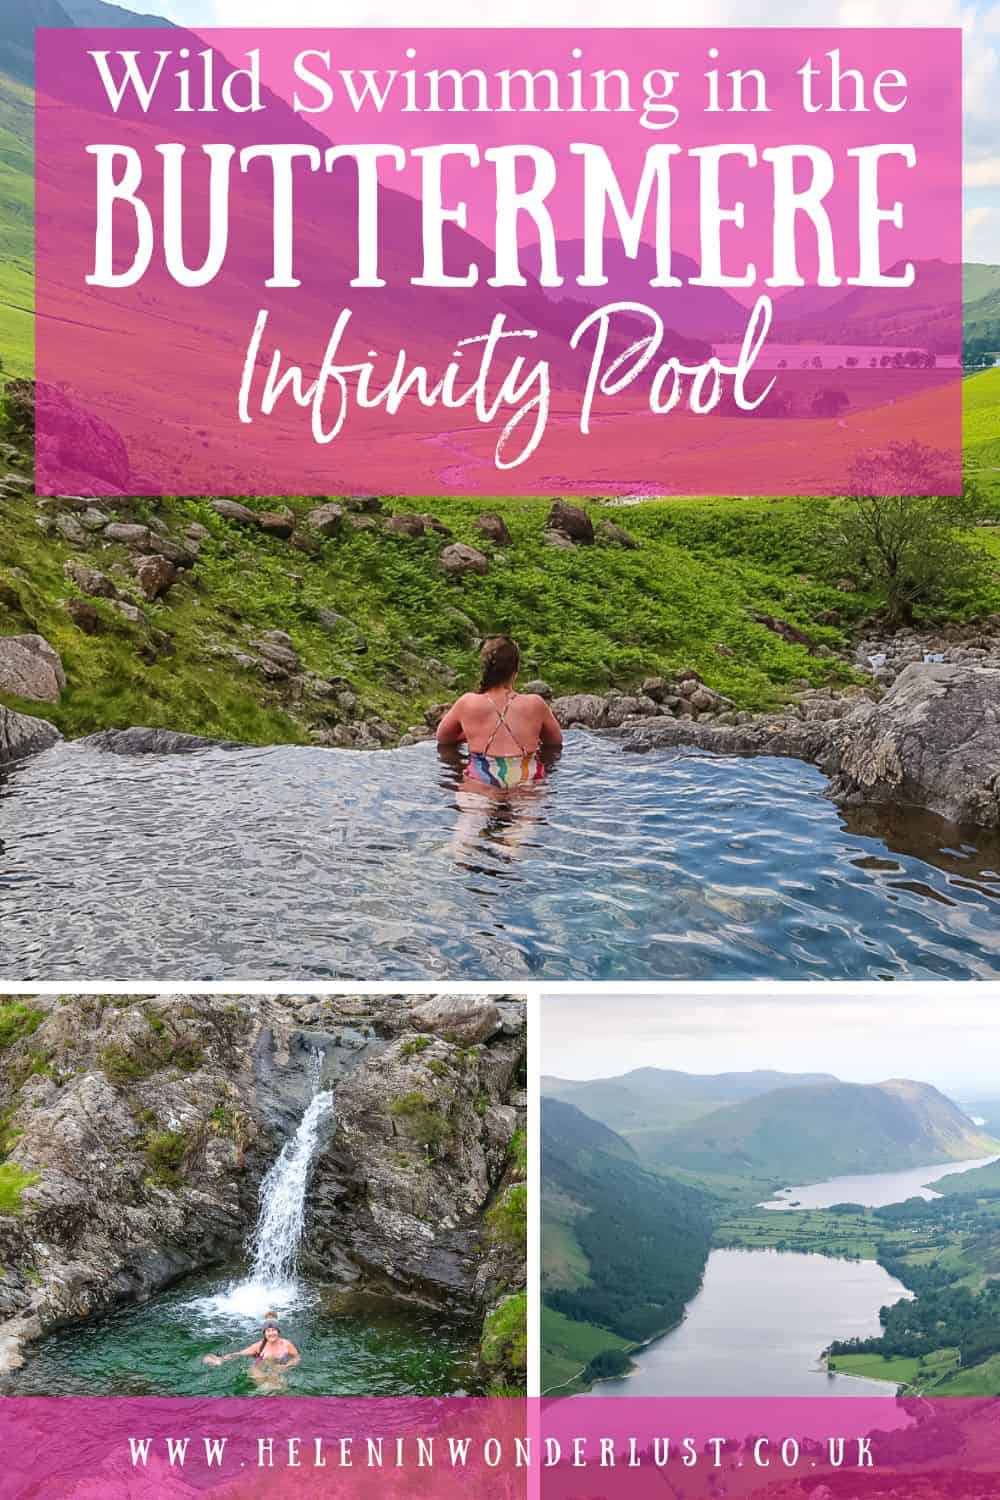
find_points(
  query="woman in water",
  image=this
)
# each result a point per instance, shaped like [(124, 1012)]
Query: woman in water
[(270, 1349), (503, 729), (507, 733)]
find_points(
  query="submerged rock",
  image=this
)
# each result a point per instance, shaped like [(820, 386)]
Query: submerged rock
[(30, 668), (141, 741), (21, 735)]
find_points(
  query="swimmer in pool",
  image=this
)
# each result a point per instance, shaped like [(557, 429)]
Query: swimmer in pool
[(270, 1349), (508, 736), (505, 731)]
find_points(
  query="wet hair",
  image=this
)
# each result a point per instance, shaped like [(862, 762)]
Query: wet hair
[(500, 660)]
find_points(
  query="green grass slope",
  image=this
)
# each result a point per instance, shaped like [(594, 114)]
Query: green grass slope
[(826, 1130)]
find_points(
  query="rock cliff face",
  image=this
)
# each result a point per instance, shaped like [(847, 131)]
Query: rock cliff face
[(135, 1133)]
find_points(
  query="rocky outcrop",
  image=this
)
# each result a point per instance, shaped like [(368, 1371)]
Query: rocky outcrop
[(140, 741), (138, 1130), (932, 742), (21, 736), (30, 668)]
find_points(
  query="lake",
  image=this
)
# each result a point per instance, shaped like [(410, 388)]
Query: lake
[(297, 863), (873, 1189), (758, 1327)]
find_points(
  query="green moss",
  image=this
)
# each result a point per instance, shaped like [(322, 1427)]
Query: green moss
[(507, 1219), (504, 1343), (423, 1119), (17, 1020), (416, 1045), (519, 1152), (13, 1181), (124, 1064), (165, 1152)]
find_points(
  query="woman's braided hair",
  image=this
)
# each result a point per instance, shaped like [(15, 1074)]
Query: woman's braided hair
[(500, 659)]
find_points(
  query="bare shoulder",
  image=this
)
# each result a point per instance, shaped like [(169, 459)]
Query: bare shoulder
[(536, 701)]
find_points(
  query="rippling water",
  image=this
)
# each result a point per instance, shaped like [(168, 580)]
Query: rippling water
[(349, 1346), (300, 863)]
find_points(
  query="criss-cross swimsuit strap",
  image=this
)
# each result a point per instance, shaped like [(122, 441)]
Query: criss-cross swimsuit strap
[(502, 724)]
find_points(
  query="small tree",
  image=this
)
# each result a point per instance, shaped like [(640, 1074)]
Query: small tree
[(907, 542)]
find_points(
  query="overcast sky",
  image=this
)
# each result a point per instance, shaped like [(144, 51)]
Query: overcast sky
[(951, 1040), (980, 21)]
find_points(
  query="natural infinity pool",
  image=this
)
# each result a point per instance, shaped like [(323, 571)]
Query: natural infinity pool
[(297, 863), (349, 1346)]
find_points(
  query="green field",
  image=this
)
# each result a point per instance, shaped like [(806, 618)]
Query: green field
[(900, 1372), (567, 1347)]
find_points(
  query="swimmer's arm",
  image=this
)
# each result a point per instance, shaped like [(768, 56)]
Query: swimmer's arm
[(450, 731), (293, 1357), (550, 730), (222, 1359)]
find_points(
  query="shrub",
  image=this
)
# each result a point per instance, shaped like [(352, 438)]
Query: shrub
[(13, 1181), (416, 1045), (505, 1336), (165, 1153), (17, 1020), (507, 1220), (424, 1121)]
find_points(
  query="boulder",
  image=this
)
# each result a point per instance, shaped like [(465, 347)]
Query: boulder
[(21, 735), (130, 612), (615, 536), (142, 741), (326, 519), (463, 1019), (540, 687), (370, 505), (77, 443), (458, 558), (570, 521), (89, 580), (588, 709), (231, 510), (128, 534), (155, 575), (494, 528), (71, 530), (84, 616), (405, 524), (30, 668), (933, 741), (276, 523)]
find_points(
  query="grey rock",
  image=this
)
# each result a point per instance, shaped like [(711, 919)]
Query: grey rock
[(90, 580), (571, 521), (540, 687), (128, 534), (278, 524), (464, 1019), (405, 524), (142, 741), (458, 559), (30, 668), (22, 735), (84, 615), (231, 510), (588, 709), (155, 575), (494, 528), (69, 527), (370, 505), (613, 535), (130, 612), (326, 519)]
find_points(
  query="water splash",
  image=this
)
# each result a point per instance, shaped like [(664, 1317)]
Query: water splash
[(272, 1284)]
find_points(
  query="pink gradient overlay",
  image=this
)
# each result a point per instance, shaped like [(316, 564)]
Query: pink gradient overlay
[(139, 385)]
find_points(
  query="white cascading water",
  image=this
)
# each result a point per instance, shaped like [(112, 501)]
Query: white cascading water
[(272, 1284)]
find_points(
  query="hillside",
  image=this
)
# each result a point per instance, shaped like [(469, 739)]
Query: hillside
[(651, 1099), (638, 1246), (826, 1130)]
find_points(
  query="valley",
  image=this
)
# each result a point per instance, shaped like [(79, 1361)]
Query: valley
[(892, 1284)]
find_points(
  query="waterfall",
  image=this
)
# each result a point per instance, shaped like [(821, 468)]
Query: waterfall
[(278, 1232), (271, 1283)]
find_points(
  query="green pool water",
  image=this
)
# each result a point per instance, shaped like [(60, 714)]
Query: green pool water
[(350, 1345)]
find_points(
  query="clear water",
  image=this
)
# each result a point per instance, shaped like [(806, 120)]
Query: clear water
[(350, 1346), (298, 863), (759, 1326), (873, 1189)]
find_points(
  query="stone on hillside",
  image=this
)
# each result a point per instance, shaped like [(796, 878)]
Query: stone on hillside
[(494, 528), (362, 522), (277, 652), (657, 688), (405, 524), (75, 442), (615, 536), (368, 504), (84, 615), (588, 709), (932, 741), (90, 580), (22, 735), (786, 631), (128, 534), (275, 523), (155, 575), (326, 519), (570, 521), (434, 523), (69, 527), (196, 532), (30, 668), (458, 558), (464, 1019), (540, 686), (94, 519), (232, 510), (558, 539), (130, 612)]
